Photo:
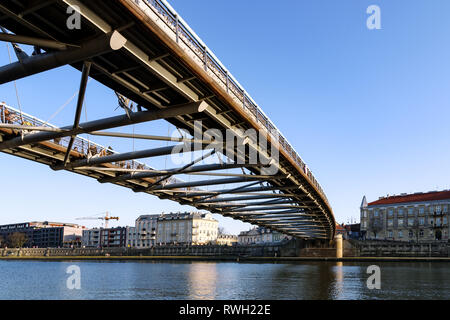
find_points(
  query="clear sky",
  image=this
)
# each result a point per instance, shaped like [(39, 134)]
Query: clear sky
[(367, 110)]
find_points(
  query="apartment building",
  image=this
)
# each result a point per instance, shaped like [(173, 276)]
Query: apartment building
[(145, 231), (105, 238), (407, 217), (186, 228)]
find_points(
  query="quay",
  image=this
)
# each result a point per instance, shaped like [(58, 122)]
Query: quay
[(287, 251)]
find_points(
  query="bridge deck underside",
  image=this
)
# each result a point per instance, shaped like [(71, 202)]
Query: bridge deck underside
[(153, 74)]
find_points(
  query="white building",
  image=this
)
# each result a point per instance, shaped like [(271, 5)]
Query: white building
[(145, 229), (187, 228)]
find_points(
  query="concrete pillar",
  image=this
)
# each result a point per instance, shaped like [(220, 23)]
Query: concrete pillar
[(339, 246)]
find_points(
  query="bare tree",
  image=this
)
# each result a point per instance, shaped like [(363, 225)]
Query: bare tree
[(376, 226), (416, 229), (17, 239), (221, 231)]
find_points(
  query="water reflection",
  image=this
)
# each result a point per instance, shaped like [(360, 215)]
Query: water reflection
[(202, 281), (338, 285), (227, 281)]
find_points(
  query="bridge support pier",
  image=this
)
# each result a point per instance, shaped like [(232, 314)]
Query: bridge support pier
[(339, 246)]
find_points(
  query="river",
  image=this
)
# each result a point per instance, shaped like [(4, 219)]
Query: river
[(221, 280)]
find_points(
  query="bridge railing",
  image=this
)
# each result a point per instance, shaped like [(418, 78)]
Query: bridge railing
[(211, 63), (87, 148)]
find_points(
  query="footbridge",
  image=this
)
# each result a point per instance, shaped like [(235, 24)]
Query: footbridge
[(160, 70)]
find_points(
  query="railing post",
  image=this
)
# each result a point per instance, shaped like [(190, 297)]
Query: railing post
[(205, 56), (176, 28), (228, 81)]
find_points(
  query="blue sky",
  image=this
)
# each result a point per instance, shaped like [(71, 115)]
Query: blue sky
[(367, 110)]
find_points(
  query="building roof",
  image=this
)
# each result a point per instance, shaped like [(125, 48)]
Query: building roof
[(415, 197), (257, 231)]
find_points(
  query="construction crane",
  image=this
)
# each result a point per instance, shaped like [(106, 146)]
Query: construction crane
[(105, 217)]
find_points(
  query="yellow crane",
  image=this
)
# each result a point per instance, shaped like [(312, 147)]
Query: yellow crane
[(105, 217)]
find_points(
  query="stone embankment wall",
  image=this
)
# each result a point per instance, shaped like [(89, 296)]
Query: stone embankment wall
[(210, 250), (292, 248), (401, 249)]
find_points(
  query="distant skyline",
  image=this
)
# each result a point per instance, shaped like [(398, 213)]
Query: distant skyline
[(367, 110)]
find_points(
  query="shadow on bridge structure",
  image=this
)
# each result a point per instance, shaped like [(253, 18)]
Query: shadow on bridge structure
[(160, 70)]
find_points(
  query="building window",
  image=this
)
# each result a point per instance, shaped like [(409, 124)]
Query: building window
[(400, 234), (410, 211), (445, 208), (421, 210), (390, 234), (411, 233), (421, 221), (445, 220), (421, 233), (410, 221), (438, 209), (431, 209), (400, 222), (376, 214), (390, 222), (400, 212), (390, 213)]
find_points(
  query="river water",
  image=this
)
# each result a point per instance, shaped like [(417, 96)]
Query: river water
[(221, 280)]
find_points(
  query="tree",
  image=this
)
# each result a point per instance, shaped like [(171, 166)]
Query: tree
[(221, 231), (376, 226), (416, 229), (1, 241), (17, 239)]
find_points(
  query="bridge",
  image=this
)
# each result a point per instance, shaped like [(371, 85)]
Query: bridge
[(160, 69)]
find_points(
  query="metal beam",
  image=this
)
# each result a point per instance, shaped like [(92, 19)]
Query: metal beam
[(107, 123), (122, 157), (214, 193), (147, 137), (47, 61), (24, 22), (230, 199), (28, 128), (40, 42), (36, 5), (233, 190), (253, 213), (79, 108), (157, 173), (199, 183), (181, 170), (278, 207), (281, 216), (249, 204)]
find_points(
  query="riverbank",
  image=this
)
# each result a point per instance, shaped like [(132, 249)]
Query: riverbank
[(230, 259)]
